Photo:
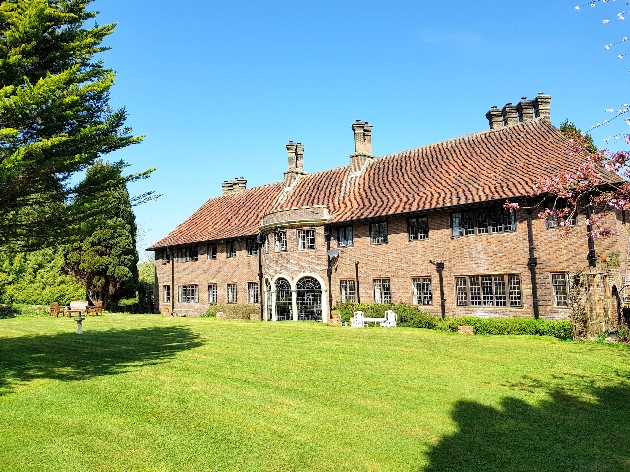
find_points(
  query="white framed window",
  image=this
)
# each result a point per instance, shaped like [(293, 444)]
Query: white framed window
[(306, 238), (252, 292), (418, 228), (382, 291), (560, 291), (212, 251), (378, 233), (281, 241), (345, 236), (422, 293), (212, 293), (230, 249), (166, 293), (482, 221), (488, 290), (187, 254), (252, 247), (166, 256), (232, 293), (188, 294), (266, 243), (348, 291)]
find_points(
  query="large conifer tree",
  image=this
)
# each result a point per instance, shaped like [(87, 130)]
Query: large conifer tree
[(55, 119)]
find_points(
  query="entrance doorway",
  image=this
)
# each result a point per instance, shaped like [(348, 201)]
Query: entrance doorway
[(309, 299), (283, 300)]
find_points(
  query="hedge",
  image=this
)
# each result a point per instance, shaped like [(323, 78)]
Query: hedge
[(413, 317)]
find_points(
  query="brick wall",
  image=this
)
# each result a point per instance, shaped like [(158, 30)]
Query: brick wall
[(401, 260)]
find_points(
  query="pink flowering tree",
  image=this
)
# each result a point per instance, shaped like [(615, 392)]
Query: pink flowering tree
[(560, 195)]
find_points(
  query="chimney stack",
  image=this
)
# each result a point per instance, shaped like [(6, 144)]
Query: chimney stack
[(234, 186), (510, 116), (495, 118), (362, 145), (542, 106), (296, 163), (525, 109)]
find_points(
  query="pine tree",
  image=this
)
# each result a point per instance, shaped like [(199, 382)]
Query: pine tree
[(105, 261), (55, 119)]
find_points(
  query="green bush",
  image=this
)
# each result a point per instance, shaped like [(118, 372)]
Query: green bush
[(232, 312), (413, 317), (624, 335)]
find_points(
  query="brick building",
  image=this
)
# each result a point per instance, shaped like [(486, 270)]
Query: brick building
[(424, 226)]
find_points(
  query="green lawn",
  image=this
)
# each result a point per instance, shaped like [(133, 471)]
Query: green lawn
[(144, 392)]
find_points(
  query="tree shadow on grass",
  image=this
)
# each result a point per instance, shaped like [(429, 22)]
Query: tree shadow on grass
[(69, 357), (566, 432)]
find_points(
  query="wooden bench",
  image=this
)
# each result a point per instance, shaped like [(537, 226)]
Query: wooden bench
[(77, 308), (96, 309)]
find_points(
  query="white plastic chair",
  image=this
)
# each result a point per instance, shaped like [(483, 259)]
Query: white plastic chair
[(391, 320), (357, 320)]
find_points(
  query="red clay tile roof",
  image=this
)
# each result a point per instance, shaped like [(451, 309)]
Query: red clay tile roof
[(490, 165)]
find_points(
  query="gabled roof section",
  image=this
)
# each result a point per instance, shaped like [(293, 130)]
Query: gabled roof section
[(227, 216), (490, 165)]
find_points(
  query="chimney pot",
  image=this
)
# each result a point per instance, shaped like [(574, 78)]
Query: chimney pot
[(495, 118), (542, 106), (525, 110), (362, 144)]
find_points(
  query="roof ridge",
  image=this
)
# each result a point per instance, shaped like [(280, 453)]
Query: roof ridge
[(467, 137)]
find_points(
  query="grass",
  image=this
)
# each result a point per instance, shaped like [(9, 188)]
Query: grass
[(148, 393)]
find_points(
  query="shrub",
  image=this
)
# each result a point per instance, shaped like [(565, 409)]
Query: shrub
[(624, 335), (414, 317), (232, 312)]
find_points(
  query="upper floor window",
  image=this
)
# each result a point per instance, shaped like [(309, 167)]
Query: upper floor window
[(306, 238), (418, 228), (166, 255), (188, 294), (212, 293), (348, 291), (232, 293), (187, 254), (560, 292), (482, 221), (252, 247), (281, 241), (266, 243), (554, 222), (230, 249), (252, 292), (345, 236), (212, 251), (378, 232), (422, 294), (382, 291), (488, 290)]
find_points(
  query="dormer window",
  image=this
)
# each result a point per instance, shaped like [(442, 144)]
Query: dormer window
[(345, 236)]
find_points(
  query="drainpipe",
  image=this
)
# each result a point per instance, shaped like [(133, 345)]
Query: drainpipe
[(440, 268), (259, 243), (327, 235), (356, 278), (172, 280), (591, 257), (532, 262)]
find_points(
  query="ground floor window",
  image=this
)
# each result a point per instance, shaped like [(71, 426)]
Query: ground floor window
[(560, 292), (348, 291), (232, 293), (252, 292), (188, 294), (166, 293), (382, 291), (212, 293), (488, 290), (422, 294)]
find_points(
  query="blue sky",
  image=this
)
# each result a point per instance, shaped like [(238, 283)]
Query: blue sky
[(220, 87)]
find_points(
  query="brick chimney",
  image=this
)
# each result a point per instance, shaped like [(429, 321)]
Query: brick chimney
[(510, 116), (362, 145), (525, 109), (296, 163), (234, 186), (542, 106), (495, 118)]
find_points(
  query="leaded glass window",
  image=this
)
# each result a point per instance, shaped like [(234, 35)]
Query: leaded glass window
[(418, 228), (422, 294)]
